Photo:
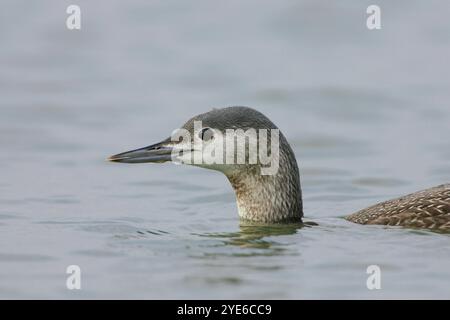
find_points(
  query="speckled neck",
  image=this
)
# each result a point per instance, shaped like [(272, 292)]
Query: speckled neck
[(269, 198)]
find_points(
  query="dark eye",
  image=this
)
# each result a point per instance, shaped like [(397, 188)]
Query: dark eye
[(206, 134)]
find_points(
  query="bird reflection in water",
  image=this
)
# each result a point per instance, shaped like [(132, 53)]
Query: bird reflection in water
[(258, 236)]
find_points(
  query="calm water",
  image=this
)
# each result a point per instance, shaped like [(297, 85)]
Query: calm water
[(367, 113)]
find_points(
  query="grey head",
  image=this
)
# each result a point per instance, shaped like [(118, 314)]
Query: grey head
[(261, 197)]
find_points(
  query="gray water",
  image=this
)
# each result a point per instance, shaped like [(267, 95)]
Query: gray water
[(366, 112)]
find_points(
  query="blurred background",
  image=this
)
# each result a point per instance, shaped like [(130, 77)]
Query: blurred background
[(366, 111)]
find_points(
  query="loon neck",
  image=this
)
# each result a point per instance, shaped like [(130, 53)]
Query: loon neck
[(269, 198)]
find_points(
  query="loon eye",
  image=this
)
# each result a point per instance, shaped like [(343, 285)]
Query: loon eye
[(206, 134)]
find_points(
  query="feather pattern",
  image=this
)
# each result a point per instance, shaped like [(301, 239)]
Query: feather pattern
[(429, 209)]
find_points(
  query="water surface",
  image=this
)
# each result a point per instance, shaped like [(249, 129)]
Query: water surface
[(366, 112)]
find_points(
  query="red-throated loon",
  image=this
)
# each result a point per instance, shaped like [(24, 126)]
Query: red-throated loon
[(277, 198)]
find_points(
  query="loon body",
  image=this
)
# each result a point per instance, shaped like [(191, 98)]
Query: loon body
[(277, 198), (428, 209)]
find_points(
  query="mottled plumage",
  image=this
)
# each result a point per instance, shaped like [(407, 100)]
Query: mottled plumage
[(428, 209)]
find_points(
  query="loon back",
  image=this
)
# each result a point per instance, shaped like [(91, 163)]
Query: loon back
[(429, 209)]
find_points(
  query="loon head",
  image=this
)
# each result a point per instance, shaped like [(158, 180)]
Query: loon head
[(248, 148)]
